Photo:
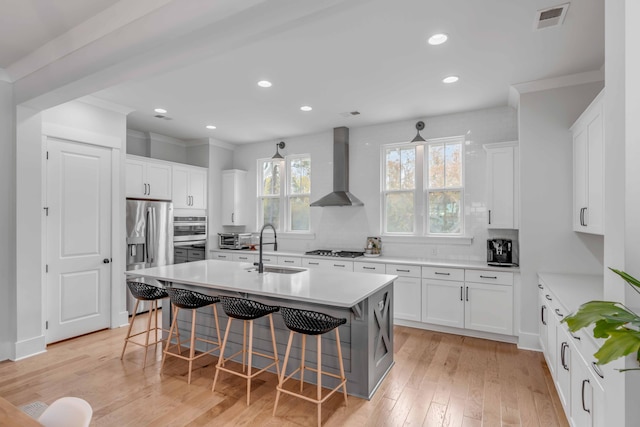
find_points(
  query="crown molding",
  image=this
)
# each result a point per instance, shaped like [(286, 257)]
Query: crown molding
[(562, 81), (137, 134), (166, 139), (221, 144), (106, 105)]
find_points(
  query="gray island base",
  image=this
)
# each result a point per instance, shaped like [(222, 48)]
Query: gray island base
[(365, 300)]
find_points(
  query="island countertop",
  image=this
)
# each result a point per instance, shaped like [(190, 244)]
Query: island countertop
[(329, 287)]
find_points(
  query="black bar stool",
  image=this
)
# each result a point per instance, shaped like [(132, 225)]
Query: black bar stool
[(307, 322), (143, 292), (190, 300), (247, 311)]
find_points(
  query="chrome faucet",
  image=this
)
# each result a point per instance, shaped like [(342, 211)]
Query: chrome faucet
[(259, 264)]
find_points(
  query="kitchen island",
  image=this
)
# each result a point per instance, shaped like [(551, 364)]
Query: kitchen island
[(365, 300)]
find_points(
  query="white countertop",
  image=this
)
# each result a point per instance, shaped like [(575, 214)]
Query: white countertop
[(329, 287), (573, 290), (383, 259)]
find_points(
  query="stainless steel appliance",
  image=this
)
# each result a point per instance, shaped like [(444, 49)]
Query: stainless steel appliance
[(234, 240), (189, 230), (500, 252), (335, 253), (149, 238)]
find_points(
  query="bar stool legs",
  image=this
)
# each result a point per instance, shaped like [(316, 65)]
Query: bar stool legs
[(310, 323), (247, 311)]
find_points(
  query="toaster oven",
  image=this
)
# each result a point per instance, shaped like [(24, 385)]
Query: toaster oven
[(234, 240)]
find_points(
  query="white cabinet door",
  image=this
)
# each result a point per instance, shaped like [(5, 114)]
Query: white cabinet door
[(148, 179), (543, 314), (180, 187), (588, 169), (135, 184), (407, 299), (224, 256), (551, 353), (489, 308), (582, 395), (159, 180), (233, 186), (198, 188), (189, 187), (244, 258), (563, 369), (502, 170), (443, 302)]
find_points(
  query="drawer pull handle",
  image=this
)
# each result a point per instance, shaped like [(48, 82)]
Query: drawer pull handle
[(575, 337), (542, 311), (368, 268), (314, 263), (460, 293), (548, 297), (488, 277), (467, 296), (584, 408), (403, 271), (558, 313), (540, 286), (288, 261), (563, 349), (443, 274), (597, 370), (339, 265)]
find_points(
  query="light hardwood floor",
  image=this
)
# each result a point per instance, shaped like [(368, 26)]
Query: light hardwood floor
[(438, 380)]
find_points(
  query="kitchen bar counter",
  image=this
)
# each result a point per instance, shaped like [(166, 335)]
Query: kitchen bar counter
[(364, 299)]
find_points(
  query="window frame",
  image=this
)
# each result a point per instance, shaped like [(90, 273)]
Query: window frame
[(289, 195)]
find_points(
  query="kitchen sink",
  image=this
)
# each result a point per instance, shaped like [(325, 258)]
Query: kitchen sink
[(279, 270)]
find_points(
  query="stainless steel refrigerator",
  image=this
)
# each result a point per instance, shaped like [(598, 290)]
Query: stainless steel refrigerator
[(149, 238)]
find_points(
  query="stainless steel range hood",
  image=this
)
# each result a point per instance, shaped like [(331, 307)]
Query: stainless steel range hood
[(340, 196)]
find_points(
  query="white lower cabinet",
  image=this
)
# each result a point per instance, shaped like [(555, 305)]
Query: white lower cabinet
[(407, 290), (443, 302), (242, 257), (564, 368), (291, 261), (488, 308)]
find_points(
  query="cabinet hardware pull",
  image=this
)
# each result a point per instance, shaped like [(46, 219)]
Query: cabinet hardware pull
[(402, 271), (558, 313), (540, 286), (542, 310), (368, 268), (575, 337), (145, 189), (149, 188), (597, 370), (562, 355), (489, 216), (585, 221), (488, 277), (581, 213), (339, 265), (313, 263), (584, 408), (288, 261), (443, 274), (548, 297), (467, 297), (232, 214), (460, 293)]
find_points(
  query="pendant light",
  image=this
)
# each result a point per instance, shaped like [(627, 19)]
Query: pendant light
[(278, 156), (418, 137)]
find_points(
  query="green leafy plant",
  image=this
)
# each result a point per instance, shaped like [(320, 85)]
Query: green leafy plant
[(615, 323)]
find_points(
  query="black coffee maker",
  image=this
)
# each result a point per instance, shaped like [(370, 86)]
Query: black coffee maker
[(500, 252)]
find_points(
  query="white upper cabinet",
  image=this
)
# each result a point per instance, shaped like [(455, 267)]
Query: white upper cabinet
[(189, 187), (148, 179), (503, 185), (233, 189), (588, 169)]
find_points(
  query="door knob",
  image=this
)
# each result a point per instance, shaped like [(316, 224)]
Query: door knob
[(106, 261)]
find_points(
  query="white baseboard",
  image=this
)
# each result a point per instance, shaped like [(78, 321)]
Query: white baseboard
[(529, 341), (30, 347), (457, 331), (5, 350), (121, 319)]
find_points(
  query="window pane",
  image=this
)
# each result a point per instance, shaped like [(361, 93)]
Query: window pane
[(299, 213), (300, 176), (271, 211), (400, 168), (270, 178), (445, 212), (399, 212), (453, 165), (436, 166)]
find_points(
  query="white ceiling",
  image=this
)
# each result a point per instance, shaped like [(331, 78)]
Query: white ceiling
[(370, 56)]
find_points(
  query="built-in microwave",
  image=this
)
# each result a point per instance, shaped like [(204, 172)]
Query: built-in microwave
[(189, 230), (234, 240)]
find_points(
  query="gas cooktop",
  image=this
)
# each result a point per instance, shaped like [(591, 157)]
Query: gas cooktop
[(334, 253)]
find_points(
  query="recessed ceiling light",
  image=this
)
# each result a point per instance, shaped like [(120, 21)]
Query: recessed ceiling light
[(210, 127), (450, 79), (160, 110), (437, 39), (306, 108), (264, 83)]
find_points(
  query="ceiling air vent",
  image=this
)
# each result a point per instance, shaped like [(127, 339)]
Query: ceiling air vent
[(551, 17), (350, 113), (163, 117)]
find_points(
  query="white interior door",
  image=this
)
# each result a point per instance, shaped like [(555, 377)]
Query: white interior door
[(78, 239)]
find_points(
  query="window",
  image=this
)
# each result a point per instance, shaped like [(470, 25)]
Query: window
[(283, 198), (438, 197)]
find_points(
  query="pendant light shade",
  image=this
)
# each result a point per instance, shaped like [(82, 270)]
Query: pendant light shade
[(418, 137), (278, 156)]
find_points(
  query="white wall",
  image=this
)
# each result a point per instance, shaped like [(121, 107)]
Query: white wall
[(198, 155), (220, 158), (7, 220), (166, 148), (348, 227), (547, 240), (138, 143)]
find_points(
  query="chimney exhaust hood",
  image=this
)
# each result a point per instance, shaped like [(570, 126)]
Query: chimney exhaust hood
[(340, 196)]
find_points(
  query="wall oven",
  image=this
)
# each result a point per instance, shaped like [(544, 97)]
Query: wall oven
[(189, 230)]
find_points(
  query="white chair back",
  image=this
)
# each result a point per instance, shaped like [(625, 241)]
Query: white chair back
[(67, 412)]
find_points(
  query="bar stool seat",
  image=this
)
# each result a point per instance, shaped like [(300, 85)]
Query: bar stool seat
[(143, 292), (247, 311), (306, 322), (190, 300)]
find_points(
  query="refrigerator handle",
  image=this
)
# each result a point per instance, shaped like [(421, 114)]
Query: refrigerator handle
[(153, 235)]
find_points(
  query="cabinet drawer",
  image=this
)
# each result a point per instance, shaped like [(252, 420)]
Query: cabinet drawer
[(267, 259), (369, 267), (180, 252), (490, 277), (315, 263), (443, 273), (340, 265), (243, 257), (290, 260), (221, 255), (403, 270), (195, 254)]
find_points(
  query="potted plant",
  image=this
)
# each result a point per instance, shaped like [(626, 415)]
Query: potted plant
[(615, 323)]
